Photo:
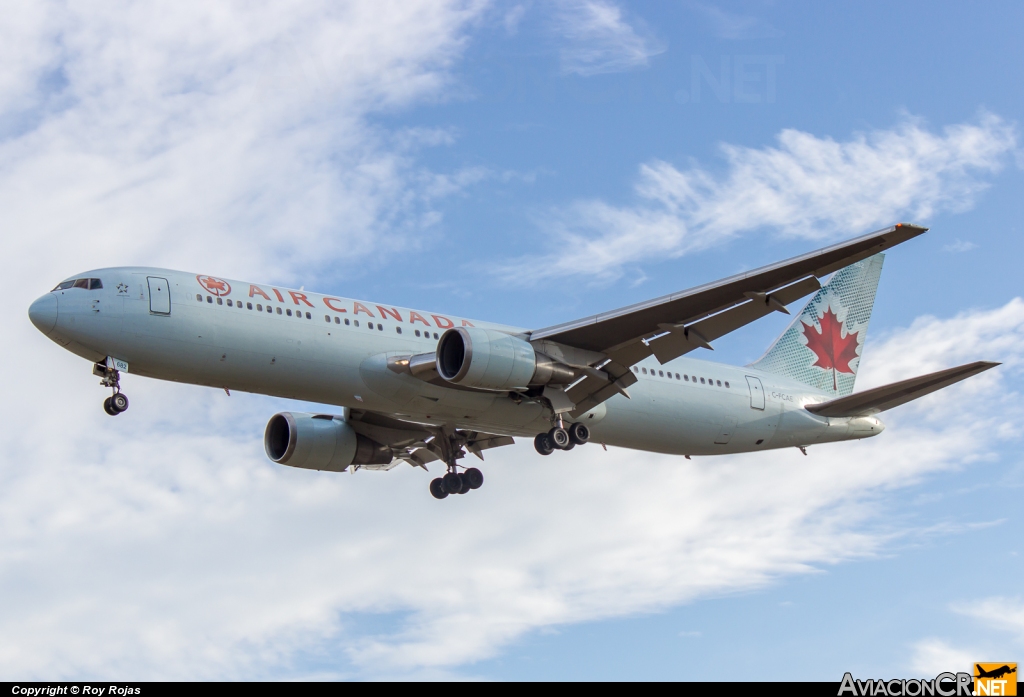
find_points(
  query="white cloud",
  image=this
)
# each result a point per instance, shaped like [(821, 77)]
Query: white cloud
[(808, 187), (959, 246), (598, 39), (731, 25), (1000, 615), (179, 130), (933, 656), (1003, 614)]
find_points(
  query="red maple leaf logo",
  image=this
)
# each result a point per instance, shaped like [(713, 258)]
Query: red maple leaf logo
[(214, 285), (834, 351)]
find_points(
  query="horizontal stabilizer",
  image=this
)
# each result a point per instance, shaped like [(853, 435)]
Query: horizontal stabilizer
[(889, 396)]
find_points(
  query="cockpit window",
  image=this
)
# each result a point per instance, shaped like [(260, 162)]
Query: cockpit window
[(87, 283)]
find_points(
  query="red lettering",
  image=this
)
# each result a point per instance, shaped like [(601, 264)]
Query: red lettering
[(443, 322), (327, 302), (384, 312), (297, 296), (417, 317), (277, 293), (253, 290), (359, 307), (467, 323)]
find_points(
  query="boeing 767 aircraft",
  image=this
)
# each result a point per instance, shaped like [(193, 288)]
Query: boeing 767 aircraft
[(417, 386)]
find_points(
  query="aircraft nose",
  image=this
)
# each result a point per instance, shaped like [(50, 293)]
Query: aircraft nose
[(43, 313)]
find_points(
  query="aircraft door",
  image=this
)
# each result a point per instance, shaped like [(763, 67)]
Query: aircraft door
[(159, 296), (756, 393)]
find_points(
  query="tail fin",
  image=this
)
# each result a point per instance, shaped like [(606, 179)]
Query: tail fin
[(822, 346)]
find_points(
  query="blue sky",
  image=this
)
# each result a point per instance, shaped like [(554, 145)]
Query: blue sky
[(525, 163)]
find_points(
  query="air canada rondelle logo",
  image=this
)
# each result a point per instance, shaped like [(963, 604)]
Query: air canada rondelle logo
[(214, 286)]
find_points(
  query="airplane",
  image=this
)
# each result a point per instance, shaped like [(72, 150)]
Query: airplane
[(996, 673), (418, 387)]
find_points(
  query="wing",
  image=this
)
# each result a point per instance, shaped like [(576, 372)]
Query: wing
[(672, 325), (888, 396), (417, 443)]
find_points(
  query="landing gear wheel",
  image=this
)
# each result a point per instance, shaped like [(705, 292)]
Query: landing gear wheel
[(119, 402), (569, 447), (474, 477), (437, 489), (579, 433), (452, 483), (543, 444), (559, 437), (108, 408), (465, 484)]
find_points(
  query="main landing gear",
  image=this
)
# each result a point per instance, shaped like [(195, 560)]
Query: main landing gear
[(117, 402), (457, 483), (450, 444), (561, 437)]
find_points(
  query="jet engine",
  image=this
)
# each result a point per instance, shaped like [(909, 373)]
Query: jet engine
[(320, 442), (492, 360)]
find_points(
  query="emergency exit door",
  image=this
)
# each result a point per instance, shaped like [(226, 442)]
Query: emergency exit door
[(159, 296), (756, 393)]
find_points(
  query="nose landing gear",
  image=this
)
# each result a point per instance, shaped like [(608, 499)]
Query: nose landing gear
[(117, 402)]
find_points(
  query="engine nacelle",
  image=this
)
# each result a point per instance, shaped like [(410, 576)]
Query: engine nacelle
[(492, 360), (320, 442)]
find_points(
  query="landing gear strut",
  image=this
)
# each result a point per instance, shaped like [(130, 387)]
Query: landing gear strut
[(118, 401)]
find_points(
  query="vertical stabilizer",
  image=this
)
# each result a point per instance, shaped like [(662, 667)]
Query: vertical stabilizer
[(823, 345)]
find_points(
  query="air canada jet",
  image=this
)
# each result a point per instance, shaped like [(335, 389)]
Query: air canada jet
[(418, 386)]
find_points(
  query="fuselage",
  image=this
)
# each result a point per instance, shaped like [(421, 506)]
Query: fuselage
[(264, 339)]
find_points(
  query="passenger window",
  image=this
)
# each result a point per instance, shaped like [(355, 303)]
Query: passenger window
[(417, 332), (677, 376), (346, 322), (645, 370), (635, 369), (719, 382), (95, 284), (702, 381), (398, 330), (661, 373), (279, 311), (288, 312), (209, 299), (355, 322), (220, 301), (229, 302), (726, 384), (248, 306), (327, 318), (309, 316), (686, 378), (380, 327), (435, 335), (337, 321), (199, 298), (82, 283)]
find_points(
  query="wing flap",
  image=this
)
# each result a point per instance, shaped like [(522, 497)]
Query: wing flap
[(682, 339), (888, 396)]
